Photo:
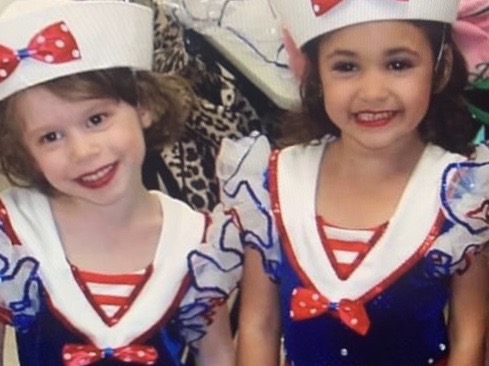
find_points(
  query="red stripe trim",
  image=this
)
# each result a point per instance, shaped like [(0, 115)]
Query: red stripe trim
[(275, 202), (340, 272), (207, 223), (344, 270), (145, 335), (111, 279), (7, 225), (110, 321), (83, 286), (348, 246), (110, 300), (5, 316), (328, 245), (130, 300)]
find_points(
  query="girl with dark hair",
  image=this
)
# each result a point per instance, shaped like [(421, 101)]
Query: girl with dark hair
[(370, 220)]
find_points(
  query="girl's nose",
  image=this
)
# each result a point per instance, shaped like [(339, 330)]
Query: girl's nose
[(373, 87), (83, 147)]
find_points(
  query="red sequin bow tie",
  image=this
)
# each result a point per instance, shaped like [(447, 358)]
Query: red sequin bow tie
[(322, 6), (307, 304), (54, 45), (84, 354)]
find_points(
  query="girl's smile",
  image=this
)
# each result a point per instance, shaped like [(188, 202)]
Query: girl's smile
[(99, 178), (88, 149), (377, 93), (374, 119)]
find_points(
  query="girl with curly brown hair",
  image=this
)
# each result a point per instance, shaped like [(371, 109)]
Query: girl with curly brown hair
[(96, 269)]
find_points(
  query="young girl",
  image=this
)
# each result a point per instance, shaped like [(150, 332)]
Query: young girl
[(380, 204), (94, 268)]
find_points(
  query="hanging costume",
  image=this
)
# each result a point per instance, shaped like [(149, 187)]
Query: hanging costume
[(221, 109)]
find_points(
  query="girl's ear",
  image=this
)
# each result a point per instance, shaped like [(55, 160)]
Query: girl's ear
[(145, 116), (443, 71)]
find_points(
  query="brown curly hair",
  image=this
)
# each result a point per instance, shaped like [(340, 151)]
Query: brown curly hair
[(168, 98), (447, 123)]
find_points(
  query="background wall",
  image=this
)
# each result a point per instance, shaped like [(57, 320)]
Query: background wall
[(4, 3)]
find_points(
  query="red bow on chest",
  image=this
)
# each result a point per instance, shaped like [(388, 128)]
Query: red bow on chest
[(306, 304), (85, 354), (322, 6)]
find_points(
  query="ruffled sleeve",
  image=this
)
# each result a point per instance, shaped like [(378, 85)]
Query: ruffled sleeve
[(215, 271), (465, 202), (242, 170), (242, 218), (19, 281)]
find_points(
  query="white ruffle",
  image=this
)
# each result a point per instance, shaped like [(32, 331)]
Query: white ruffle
[(213, 263), (464, 199), (19, 282), (465, 203), (215, 268), (242, 170)]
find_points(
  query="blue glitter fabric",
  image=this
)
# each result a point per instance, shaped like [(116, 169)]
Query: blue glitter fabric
[(199, 267), (403, 282)]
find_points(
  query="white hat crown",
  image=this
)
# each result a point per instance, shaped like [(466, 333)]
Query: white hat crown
[(41, 40), (308, 19)]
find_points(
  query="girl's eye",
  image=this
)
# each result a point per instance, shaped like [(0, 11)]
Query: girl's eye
[(50, 137), (345, 67), (96, 119), (400, 65)]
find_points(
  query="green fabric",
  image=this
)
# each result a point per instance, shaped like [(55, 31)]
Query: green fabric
[(477, 112)]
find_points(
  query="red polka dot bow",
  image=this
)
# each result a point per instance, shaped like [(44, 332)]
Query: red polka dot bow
[(322, 6), (81, 354), (307, 304), (54, 44)]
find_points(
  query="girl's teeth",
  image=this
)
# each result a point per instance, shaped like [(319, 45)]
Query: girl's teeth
[(95, 176), (373, 116)]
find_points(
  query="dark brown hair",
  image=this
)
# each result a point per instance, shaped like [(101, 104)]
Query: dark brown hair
[(168, 98), (447, 123)]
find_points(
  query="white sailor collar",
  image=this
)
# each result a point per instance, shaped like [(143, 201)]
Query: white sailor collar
[(32, 220), (410, 233)]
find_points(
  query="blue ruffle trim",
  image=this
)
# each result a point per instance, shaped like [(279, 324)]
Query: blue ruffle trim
[(243, 174), (465, 195), (20, 289), (215, 269)]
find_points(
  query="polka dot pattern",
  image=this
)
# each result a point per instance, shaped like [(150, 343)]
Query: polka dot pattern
[(52, 45), (322, 6), (307, 303), (81, 355)]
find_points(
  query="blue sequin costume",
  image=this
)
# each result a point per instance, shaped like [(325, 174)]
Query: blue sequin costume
[(402, 284), (41, 299)]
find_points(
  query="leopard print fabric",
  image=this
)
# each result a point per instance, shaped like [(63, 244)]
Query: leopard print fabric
[(220, 110)]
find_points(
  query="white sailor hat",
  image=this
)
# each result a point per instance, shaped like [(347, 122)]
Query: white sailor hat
[(41, 40), (308, 19)]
